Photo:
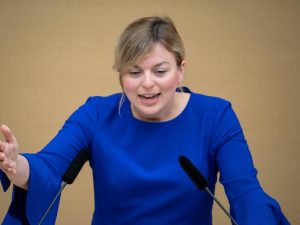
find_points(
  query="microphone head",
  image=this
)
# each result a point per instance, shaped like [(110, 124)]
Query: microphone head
[(75, 166), (194, 174)]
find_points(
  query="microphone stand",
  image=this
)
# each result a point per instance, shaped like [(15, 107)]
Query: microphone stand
[(63, 185), (200, 181), (220, 204), (69, 176)]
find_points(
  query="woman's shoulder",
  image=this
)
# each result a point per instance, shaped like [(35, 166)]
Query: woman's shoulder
[(109, 101), (204, 101), (201, 98), (104, 99), (96, 104)]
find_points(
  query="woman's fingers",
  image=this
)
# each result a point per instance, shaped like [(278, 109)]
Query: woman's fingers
[(8, 135), (10, 145), (2, 156), (3, 146), (8, 150), (6, 165)]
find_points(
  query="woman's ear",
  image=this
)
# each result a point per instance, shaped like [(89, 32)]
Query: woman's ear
[(181, 71), (121, 81)]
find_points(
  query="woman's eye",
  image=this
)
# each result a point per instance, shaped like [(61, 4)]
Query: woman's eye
[(134, 73), (161, 72)]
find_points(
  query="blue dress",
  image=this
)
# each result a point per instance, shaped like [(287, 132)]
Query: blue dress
[(137, 177)]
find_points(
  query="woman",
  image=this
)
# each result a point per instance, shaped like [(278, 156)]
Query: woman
[(135, 139)]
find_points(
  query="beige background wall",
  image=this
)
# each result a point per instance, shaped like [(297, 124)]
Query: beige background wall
[(54, 54)]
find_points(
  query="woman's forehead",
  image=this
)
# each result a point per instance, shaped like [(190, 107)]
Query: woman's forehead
[(158, 55)]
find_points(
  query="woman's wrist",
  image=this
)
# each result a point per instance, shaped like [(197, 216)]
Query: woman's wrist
[(20, 175)]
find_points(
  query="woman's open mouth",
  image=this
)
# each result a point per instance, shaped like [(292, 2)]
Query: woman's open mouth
[(149, 99)]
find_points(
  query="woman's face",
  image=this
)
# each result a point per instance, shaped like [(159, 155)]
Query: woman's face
[(150, 85)]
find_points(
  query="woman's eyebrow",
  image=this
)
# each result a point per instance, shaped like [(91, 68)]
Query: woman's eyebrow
[(159, 64), (156, 65)]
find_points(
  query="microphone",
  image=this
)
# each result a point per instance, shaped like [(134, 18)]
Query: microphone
[(70, 175), (75, 167), (200, 181)]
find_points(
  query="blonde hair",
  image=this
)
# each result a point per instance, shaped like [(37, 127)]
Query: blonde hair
[(141, 35)]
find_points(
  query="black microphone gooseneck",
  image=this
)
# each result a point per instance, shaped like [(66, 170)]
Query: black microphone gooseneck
[(200, 181), (70, 175)]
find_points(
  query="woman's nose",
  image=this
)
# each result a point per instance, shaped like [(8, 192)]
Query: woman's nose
[(148, 81)]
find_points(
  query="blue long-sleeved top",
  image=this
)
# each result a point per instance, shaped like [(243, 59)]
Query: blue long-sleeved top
[(137, 177)]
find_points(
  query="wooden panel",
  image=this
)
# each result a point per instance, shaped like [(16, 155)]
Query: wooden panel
[(54, 54)]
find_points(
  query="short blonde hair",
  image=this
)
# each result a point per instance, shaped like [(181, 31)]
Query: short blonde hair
[(140, 36)]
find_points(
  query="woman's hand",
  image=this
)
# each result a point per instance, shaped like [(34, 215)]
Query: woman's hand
[(8, 151), (12, 163)]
